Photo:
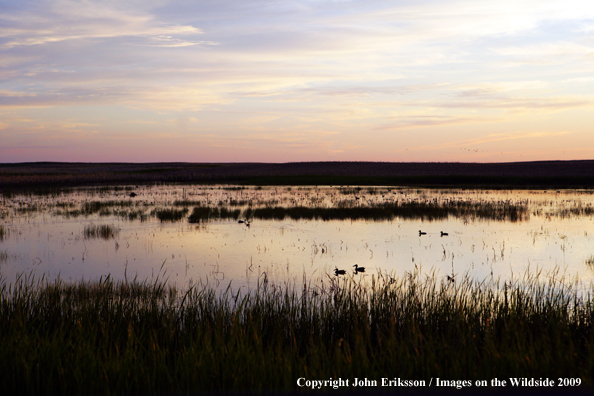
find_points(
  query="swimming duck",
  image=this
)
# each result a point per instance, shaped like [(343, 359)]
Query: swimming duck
[(358, 269)]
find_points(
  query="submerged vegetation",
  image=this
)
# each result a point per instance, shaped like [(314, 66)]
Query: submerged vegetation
[(134, 337)]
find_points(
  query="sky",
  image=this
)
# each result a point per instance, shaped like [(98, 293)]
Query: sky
[(286, 81)]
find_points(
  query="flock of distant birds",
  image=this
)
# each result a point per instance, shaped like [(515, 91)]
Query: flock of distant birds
[(441, 232), (337, 271), (343, 272), (358, 269)]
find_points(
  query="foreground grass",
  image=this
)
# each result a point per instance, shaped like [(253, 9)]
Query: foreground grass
[(113, 337)]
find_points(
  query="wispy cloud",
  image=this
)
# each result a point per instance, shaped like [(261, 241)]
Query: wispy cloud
[(409, 122), (508, 103), (67, 20), (324, 77)]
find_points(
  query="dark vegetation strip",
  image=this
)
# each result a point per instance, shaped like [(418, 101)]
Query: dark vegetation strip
[(426, 210), (103, 231), (500, 211), (89, 208), (388, 211), (171, 215), (202, 214), (521, 175), (141, 338)]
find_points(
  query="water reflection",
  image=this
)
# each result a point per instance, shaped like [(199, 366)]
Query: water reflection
[(245, 235)]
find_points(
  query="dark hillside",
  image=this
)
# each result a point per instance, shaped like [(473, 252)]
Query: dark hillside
[(538, 174)]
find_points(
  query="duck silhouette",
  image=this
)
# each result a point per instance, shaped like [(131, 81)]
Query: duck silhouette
[(358, 269)]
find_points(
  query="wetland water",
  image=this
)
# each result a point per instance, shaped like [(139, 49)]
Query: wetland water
[(294, 232)]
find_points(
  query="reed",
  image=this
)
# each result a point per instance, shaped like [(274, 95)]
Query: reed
[(132, 215), (103, 231), (92, 207), (501, 211), (171, 215), (205, 213), (148, 338)]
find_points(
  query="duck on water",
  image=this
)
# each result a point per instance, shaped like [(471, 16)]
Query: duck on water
[(358, 269)]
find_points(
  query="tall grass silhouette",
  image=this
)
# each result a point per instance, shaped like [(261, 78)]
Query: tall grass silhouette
[(148, 337)]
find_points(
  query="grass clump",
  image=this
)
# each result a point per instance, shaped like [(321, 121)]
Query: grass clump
[(136, 338), (499, 211), (405, 210), (92, 207), (171, 215), (205, 213), (132, 215), (104, 231)]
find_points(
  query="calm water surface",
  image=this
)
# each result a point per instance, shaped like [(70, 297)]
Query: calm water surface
[(45, 236)]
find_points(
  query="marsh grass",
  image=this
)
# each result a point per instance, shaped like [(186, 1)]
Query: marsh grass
[(3, 232), (186, 202), (132, 215), (502, 211), (204, 213), (92, 207), (142, 337), (341, 203), (103, 231), (171, 215)]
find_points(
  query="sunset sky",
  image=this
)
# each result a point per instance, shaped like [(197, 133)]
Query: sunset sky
[(281, 81)]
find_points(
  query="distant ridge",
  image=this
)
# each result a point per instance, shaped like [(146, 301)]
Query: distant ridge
[(532, 174)]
